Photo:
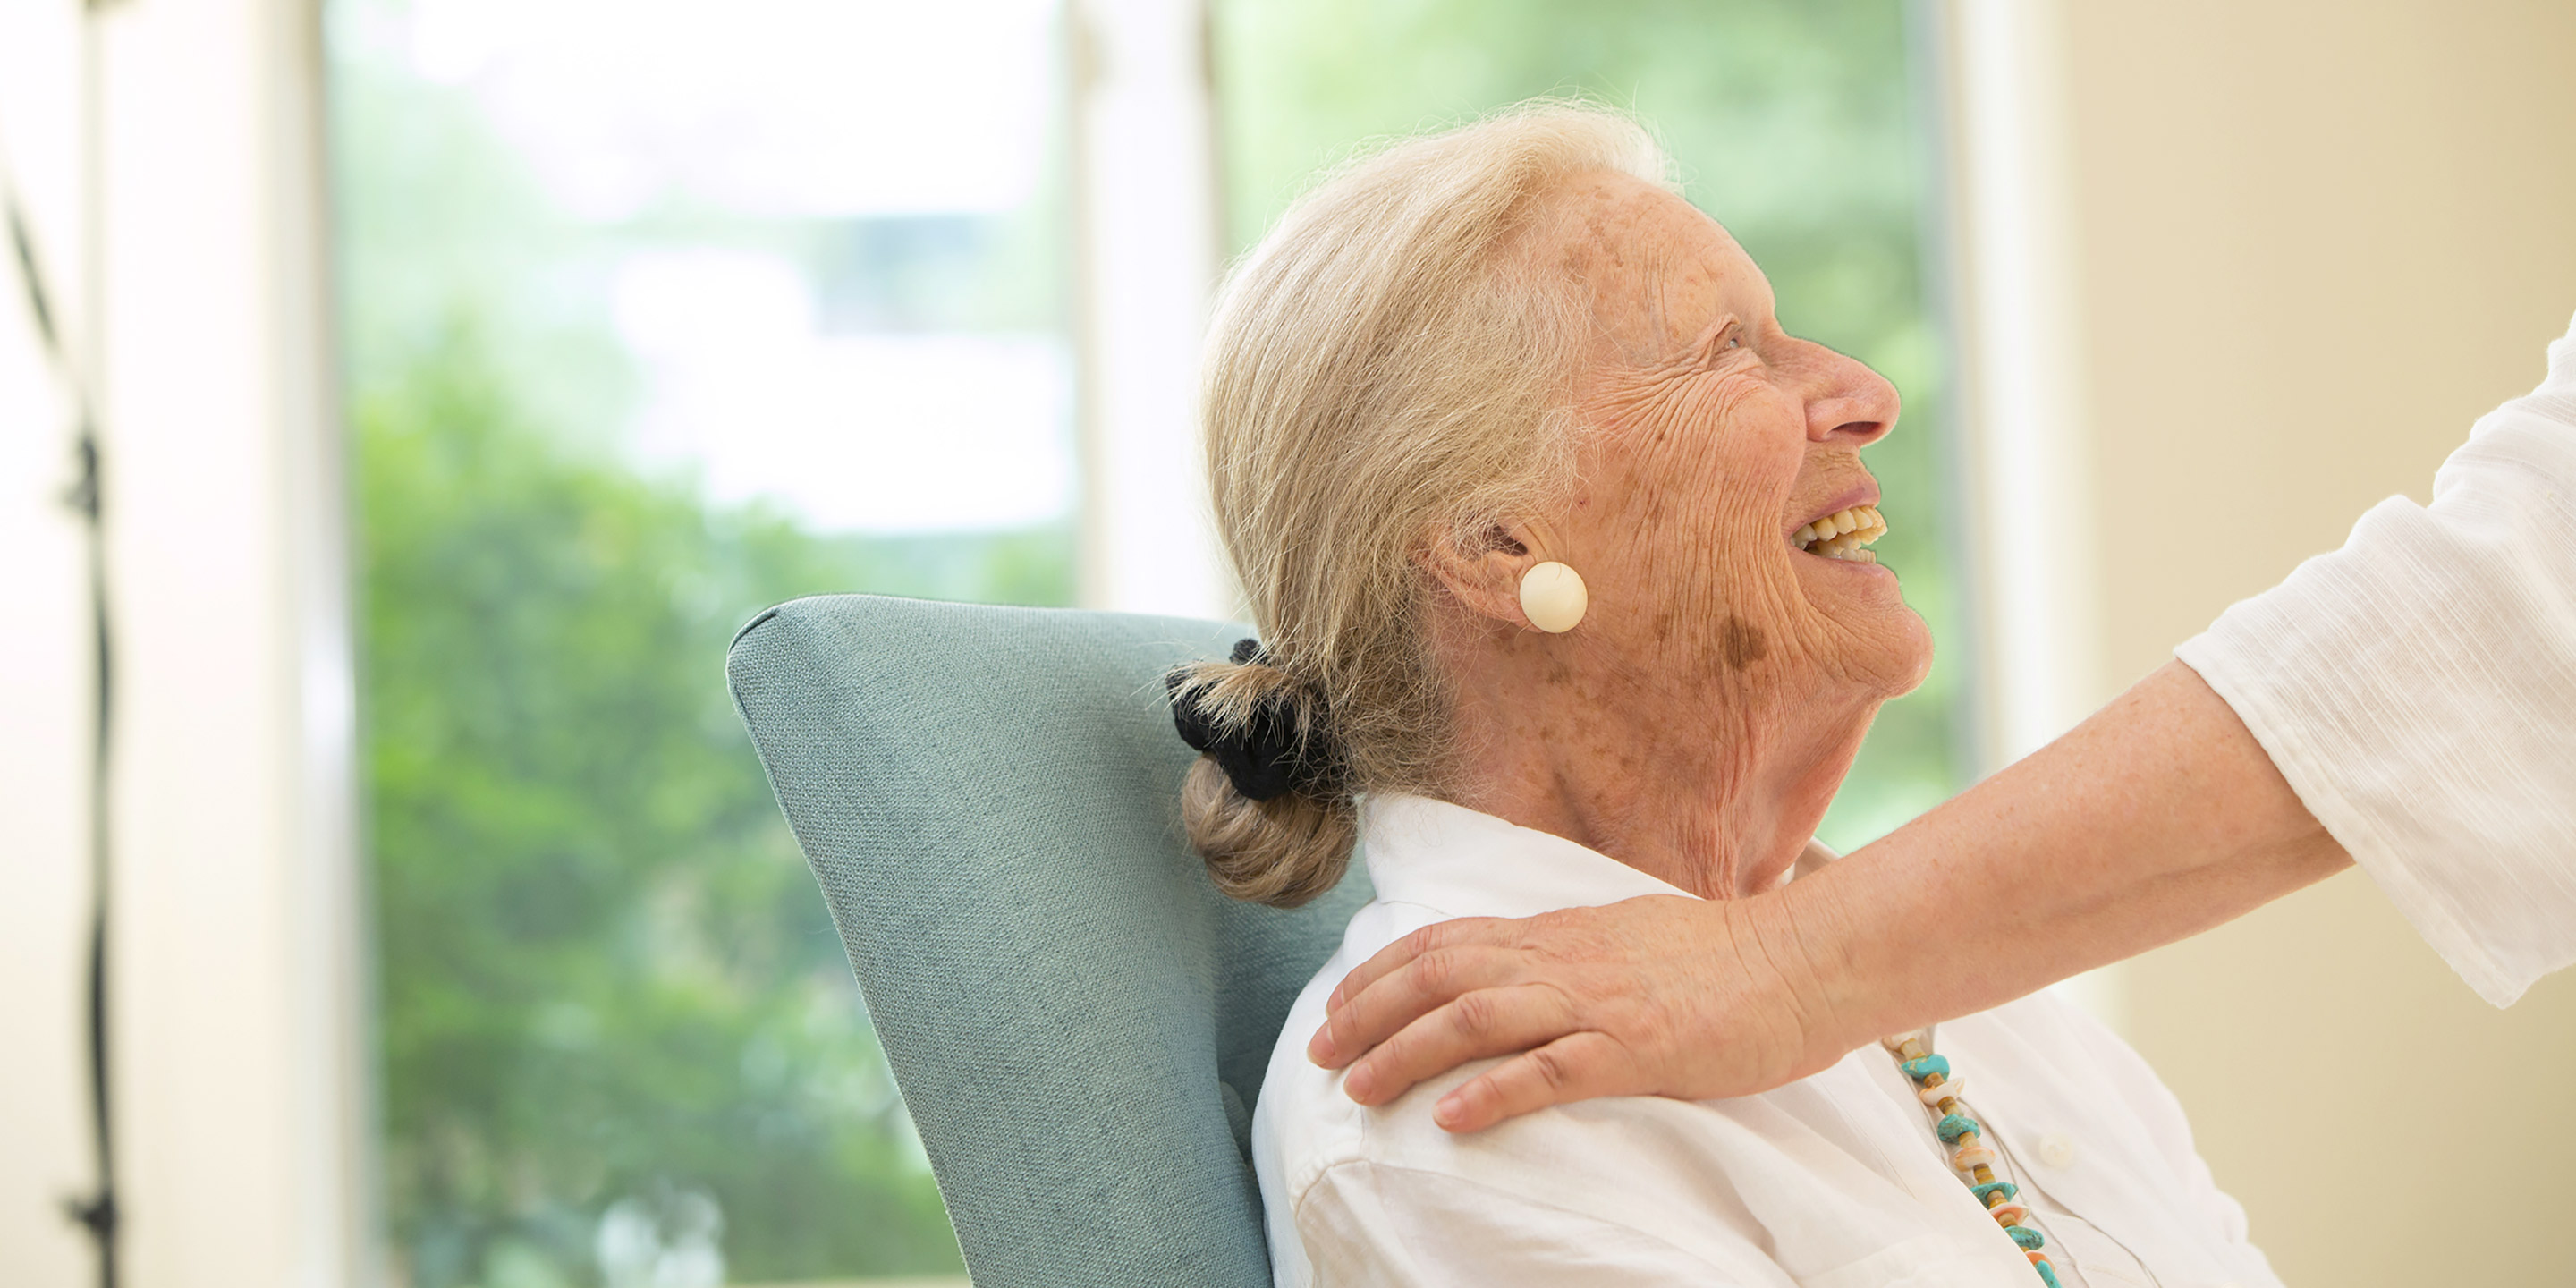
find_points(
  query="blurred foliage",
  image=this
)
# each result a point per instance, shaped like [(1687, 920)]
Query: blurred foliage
[(1794, 122), (618, 1039), (604, 969)]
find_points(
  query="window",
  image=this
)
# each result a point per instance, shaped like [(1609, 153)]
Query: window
[(657, 314)]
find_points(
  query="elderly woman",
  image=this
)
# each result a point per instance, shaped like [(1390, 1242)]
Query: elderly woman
[(1558, 545)]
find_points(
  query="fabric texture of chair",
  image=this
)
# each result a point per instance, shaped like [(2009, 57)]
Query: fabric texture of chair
[(1077, 1020)]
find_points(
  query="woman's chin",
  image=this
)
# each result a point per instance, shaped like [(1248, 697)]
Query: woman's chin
[(1887, 646), (1908, 652)]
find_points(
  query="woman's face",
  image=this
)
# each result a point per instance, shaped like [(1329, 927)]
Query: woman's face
[(1717, 442)]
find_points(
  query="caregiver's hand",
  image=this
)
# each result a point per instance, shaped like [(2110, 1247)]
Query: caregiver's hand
[(1655, 996), (2158, 818)]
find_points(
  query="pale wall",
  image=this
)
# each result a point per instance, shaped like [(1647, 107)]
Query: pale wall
[(237, 1071), (45, 671), (44, 683), (2316, 240)]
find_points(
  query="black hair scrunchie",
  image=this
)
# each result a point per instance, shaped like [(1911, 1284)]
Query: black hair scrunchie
[(1263, 757)]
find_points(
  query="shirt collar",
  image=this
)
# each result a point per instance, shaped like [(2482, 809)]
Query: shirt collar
[(1468, 864)]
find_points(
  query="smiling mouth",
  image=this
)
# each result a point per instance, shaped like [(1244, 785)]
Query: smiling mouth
[(1844, 535)]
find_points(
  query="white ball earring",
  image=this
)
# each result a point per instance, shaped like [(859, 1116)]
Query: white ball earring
[(1553, 597)]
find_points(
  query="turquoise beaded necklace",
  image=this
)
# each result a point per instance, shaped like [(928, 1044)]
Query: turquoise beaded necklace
[(1965, 1137)]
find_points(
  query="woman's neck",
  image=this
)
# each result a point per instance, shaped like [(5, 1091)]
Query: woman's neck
[(1714, 790)]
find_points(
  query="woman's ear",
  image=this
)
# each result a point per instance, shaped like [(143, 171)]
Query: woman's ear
[(1482, 570)]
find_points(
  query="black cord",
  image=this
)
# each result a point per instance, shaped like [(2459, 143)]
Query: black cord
[(87, 497)]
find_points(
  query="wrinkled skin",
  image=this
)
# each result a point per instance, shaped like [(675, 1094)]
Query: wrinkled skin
[(1697, 722), (1661, 996), (2157, 818)]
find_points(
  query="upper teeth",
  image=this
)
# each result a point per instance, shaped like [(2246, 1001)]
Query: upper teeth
[(1842, 535)]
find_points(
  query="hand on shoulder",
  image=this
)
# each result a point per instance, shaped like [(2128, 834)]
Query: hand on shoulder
[(1661, 995)]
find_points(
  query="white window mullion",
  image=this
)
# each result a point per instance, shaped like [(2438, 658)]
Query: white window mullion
[(2024, 369), (239, 1036), (1145, 203), (2029, 439)]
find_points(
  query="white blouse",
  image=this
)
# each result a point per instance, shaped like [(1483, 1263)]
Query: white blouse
[(1834, 1181), (2418, 689)]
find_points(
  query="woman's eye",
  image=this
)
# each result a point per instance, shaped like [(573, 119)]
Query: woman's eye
[(1733, 338)]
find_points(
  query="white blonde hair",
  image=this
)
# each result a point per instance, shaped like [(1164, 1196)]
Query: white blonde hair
[(1385, 370)]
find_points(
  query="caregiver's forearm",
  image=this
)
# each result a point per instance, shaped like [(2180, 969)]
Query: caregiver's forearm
[(2157, 818)]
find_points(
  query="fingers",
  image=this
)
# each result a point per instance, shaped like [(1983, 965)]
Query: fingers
[(1463, 931), (1476, 1026), (1578, 1066), (1403, 982)]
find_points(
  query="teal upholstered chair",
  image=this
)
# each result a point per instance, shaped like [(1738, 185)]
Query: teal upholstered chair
[(1078, 1021)]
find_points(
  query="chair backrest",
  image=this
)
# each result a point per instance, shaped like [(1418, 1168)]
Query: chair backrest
[(1078, 1021)]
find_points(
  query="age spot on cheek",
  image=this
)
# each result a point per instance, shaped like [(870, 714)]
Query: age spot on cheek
[(1741, 642)]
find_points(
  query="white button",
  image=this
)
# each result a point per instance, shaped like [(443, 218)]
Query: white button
[(2057, 1150)]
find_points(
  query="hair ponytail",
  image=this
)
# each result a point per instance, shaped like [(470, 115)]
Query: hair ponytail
[(1268, 802), (1283, 851)]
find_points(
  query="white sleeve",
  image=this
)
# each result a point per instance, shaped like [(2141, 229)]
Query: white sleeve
[(2418, 690), (1371, 1225)]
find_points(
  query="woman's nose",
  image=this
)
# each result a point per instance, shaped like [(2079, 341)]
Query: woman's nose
[(1852, 401)]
